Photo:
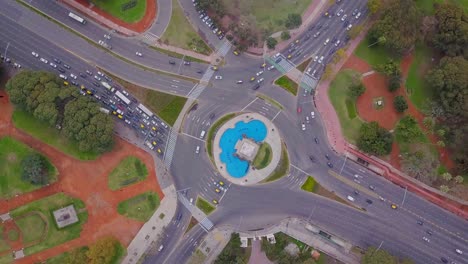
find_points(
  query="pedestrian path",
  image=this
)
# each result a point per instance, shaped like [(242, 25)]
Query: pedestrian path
[(170, 148), (149, 38), (283, 66), (223, 48), (196, 213), (199, 88), (207, 76), (308, 83)]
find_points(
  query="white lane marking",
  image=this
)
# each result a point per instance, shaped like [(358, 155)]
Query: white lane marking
[(249, 104)]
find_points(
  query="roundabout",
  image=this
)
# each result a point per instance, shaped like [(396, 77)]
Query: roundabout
[(247, 149)]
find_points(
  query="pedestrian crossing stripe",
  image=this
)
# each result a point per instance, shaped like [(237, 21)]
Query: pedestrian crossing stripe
[(224, 48), (207, 76), (308, 83), (283, 66), (170, 148), (205, 222), (197, 91), (150, 38)]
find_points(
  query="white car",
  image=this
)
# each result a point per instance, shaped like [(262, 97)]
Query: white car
[(307, 118), (138, 54), (197, 149), (344, 17), (97, 78), (312, 114), (240, 82), (271, 67), (358, 15), (458, 251), (160, 248), (100, 74), (63, 76), (218, 77), (53, 65), (349, 26), (320, 60), (426, 239), (350, 198), (73, 76), (35, 54), (316, 58), (309, 70), (326, 41), (303, 127), (260, 80), (337, 43), (340, 12), (44, 60), (259, 73)]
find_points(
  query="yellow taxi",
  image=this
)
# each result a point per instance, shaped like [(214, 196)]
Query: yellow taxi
[(236, 53), (66, 83), (89, 92), (154, 143), (263, 65), (120, 116), (159, 151), (114, 112), (142, 126), (221, 183), (217, 190), (394, 206), (252, 79), (289, 56), (154, 128), (215, 201), (214, 68), (297, 41)]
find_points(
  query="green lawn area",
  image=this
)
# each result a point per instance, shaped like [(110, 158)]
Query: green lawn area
[(140, 207), (374, 55), (12, 152), (276, 251), (427, 6), (62, 258), (49, 135), (351, 108), (6, 259), (270, 100), (166, 106), (309, 185), (418, 90), (282, 168), (287, 84), (130, 11), (462, 3), (3, 243), (263, 157), (212, 132), (13, 235), (180, 32), (54, 235), (129, 171), (205, 206), (268, 14), (338, 94), (32, 227), (178, 55)]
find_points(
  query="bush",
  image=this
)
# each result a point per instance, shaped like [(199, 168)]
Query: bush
[(34, 169), (293, 21), (374, 139), (400, 104), (356, 90), (394, 83), (271, 43), (285, 35)]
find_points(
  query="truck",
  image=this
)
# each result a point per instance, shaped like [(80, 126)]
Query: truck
[(108, 87), (104, 110), (122, 97)]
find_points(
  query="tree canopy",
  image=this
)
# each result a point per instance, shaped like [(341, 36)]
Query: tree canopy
[(399, 25), (407, 130), (451, 35), (44, 96), (380, 256), (374, 139), (400, 104), (293, 21), (34, 169), (103, 251)]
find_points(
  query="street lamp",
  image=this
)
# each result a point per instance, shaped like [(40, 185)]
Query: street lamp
[(380, 39)]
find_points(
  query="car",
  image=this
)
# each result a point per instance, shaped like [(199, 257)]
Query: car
[(73, 76), (35, 54), (354, 12), (263, 65), (340, 12), (212, 115), (53, 65), (179, 217), (420, 222), (172, 62), (200, 72), (215, 201), (356, 192), (278, 60), (197, 150), (444, 260), (309, 70), (368, 201), (218, 77), (458, 251), (394, 206), (429, 232), (426, 239), (256, 86), (316, 58), (260, 80), (329, 165), (89, 73), (57, 61), (344, 17), (271, 67), (350, 198), (138, 54), (61, 70), (312, 114), (316, 140), (252, 79), (371, 187), (320, 60), (312, 158), (66, 66), (63, 77), (220, 37), (358, 15), (187, 63), (259, 73), (327, 157), (317, 34), (239, 82), (44, 60), (221, 183), (215, 30), (160, 248), (217, 190), (349, 27), (303, 127), (96, 84), (97, 77), (214, 68), (236, 53), (75, 83), (337, 43), (82, 75), (326, 41), (299, 109)]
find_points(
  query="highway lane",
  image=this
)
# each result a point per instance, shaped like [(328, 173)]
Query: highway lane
[(121, 45)]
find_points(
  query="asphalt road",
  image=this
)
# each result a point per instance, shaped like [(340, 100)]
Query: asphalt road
[(255, 207)]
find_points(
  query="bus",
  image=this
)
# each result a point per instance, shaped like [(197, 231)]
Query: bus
[(122, 97), (145, 110), (77, 18)]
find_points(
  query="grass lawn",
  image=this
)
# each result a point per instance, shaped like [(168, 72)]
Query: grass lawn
[(303, 65), (13, 235), (197, 258), (49, 135), (6, 259), (62, 258), (130, 11), (287, 84), (12, 152), (351, 108), (374, 55), (275, 252), (180, 32), (54, 235), (140, 207), (263, 157), (418, 90), (32, 227), (129, 171), (205, 206), (282, 168), (211, 133), (427, 6), (309, 185), (338, 94), (462, 3), (193, 222), (178, 55), (3, 243), (166, 106), (268, 14)]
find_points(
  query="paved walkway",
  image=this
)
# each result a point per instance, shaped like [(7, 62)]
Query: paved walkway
[(258, 256), (273, 139)]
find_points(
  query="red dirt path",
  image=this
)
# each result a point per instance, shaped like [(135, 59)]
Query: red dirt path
[(86, 180), (140, 26), (387, 117)]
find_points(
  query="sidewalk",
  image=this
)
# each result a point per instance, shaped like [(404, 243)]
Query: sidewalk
[(208, 58)]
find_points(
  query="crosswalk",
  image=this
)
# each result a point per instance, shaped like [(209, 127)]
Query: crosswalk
[(149, 38), (170, 148), (308, 82), (196, 91), (207, 76), (283, 66), (204, 222), (223, 48)]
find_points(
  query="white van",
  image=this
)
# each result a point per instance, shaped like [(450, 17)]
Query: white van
[(197, 150), (202, 134), (350, 198), (63, 76)]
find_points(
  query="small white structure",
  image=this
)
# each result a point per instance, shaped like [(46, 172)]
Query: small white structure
[(65, 216), (271, 238), (246, 149), (379, 102), (244, 242)]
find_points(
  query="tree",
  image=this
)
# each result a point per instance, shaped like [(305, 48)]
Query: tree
[(451, 35), (293, 21), (444, 188), (380, 256), (441, 144), (374, 139), (400, 104), (458, 179), (393, 71), (446, 176), (429, 122), (374, 5), (34, 169), (399, 24), (271, 43), (354, 31), (356, 90), (327, 73), (407, 130), (103, 251), (394, 83), (285, 35), (340, 54), (419, 165), (77, 256)]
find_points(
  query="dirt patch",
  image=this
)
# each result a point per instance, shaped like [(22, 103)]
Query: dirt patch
[(11, 157), (86, 180), (357, 64)]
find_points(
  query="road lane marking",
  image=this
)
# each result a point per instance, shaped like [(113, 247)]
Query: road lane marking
[(353, 184), (273, 119), (185, 134), (242, 110)]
